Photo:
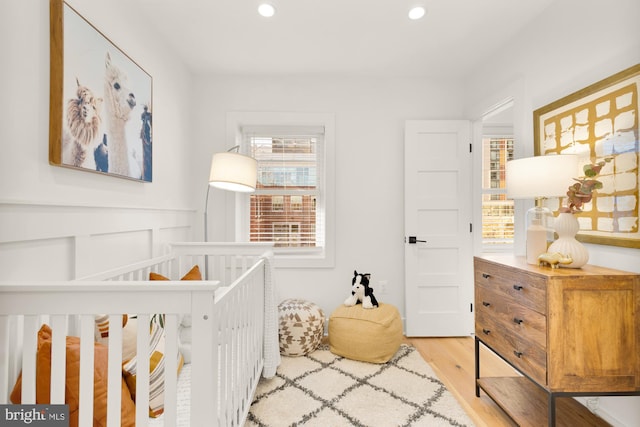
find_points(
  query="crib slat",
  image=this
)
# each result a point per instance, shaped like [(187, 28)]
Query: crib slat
[(226, 330), (5, 342), (142, 370), (245, 263), (58, 357), (234, 268), (16, 331), (114, 387), (204, 346), (29, 343), (85, 415), (174, 265), (221, 272), (171, 368)]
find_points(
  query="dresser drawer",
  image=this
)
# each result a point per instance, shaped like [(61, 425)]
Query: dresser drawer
[(525, 289), (512, 316), (526, 356)]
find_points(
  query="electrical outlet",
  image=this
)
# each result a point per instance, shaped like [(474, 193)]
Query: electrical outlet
[(382, 286), (592, 404)]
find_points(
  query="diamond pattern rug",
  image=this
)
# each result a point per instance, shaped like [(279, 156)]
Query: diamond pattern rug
[(325, 390)]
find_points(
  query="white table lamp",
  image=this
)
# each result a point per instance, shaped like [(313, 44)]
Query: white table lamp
[(538, 178)]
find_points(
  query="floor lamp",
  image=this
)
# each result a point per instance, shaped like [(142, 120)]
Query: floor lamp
[(230, 171)]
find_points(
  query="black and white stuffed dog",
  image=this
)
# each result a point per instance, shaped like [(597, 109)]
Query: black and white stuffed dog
[(361, 292)]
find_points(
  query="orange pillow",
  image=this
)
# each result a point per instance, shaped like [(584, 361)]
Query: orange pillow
[(72, 387), (193, 274)]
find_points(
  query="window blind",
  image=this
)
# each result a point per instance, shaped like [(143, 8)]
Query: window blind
[(287, 207)]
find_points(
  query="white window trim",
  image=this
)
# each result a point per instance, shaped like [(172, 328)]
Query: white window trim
[(289, 257)]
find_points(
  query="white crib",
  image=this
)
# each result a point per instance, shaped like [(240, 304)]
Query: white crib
[(234, 332)]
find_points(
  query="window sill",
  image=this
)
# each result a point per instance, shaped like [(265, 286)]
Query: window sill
[(315, 259)]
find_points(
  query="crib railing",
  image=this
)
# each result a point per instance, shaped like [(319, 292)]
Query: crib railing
[(229, 342), (25, 307), (221, 261), (227, 320)]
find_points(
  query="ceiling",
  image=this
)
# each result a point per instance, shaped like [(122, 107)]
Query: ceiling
[(337, 37)]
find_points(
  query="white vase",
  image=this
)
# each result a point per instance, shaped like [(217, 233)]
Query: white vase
[(566, 225)]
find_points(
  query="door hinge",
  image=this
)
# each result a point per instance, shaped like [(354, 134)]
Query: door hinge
[(470, 148), (471, 307), (470, 227)]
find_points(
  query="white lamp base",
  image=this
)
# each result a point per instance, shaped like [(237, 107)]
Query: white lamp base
[(539, 232), (536, 243)]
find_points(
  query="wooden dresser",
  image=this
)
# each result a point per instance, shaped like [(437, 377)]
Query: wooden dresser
[(569, 332)]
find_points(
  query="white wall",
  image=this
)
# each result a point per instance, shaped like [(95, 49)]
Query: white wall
[(369, 121), (572, 45), (72, 213), (54, 218)]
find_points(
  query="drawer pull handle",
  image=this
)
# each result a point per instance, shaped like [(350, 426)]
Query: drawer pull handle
[(518, 321), (485, 275), (518, 354), (517, 287), (486, 331), (486, 304)]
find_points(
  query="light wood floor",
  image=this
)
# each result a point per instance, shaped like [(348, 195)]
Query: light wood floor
[(453, 361)]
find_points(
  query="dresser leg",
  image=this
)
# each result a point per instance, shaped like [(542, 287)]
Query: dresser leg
[(552, 410), (477, 359)]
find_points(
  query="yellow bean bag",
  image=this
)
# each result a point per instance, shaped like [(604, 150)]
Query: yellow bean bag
[(369, 335)]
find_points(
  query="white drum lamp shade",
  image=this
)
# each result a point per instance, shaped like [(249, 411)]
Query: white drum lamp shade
[(541, 176), (538, 178), (233, 172)]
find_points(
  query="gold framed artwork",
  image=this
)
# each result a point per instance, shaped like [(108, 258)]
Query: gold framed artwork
[(100, 101), (600, 122)]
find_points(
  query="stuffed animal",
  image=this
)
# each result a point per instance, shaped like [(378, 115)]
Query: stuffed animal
[(361, 292)]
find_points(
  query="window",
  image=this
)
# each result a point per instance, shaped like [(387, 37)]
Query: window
[(293, 205), (277, 203), (297, 205), (497, 211), (283, 208), (286, 234)]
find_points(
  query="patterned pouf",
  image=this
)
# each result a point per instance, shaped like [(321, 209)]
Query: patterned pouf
[(301, 327), (369, 335)]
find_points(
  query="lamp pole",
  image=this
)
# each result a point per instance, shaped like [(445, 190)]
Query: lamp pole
[(206, 233), (233, 172)]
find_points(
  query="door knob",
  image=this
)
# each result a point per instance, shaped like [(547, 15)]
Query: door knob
[(413, 240)]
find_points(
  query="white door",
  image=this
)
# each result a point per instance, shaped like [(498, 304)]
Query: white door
[(438, 235)]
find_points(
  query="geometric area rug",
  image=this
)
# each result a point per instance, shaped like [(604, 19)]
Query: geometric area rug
[(323, 389)]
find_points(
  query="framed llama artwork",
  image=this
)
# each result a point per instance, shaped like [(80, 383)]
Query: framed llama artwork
[(600, 124), (100, 111)]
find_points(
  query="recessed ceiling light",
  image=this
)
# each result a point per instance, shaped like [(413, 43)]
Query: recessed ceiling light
[(266, 10), (416, 12)]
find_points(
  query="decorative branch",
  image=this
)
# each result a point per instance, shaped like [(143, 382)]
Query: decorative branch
[(582, 191)]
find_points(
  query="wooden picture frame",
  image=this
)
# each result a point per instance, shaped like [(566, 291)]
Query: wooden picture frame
[(600, 121), (100, 101)]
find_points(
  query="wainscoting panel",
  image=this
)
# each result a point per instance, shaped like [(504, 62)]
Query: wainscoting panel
[(110, 250), (37, 259), (59, 242)]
